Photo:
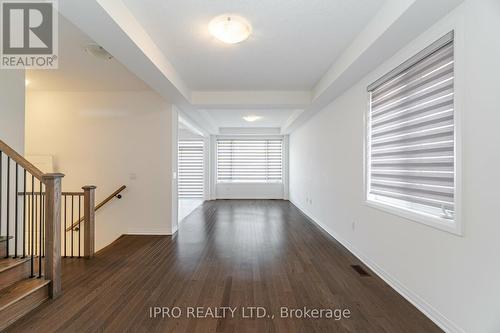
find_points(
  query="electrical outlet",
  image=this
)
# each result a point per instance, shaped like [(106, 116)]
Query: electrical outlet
[(132, 176), (354, 225)]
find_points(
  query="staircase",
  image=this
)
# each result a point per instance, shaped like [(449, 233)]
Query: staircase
[(30, 236), (39, 225), (20, 293)]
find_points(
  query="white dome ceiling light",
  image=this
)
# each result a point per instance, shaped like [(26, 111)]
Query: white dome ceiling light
[(230, 29)]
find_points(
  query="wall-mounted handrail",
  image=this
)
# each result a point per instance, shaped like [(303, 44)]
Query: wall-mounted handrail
[(24, 163), (100, 205)]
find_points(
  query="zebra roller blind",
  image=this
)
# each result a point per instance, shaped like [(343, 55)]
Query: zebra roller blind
[(190, 169), (411, 134), (249, 161)]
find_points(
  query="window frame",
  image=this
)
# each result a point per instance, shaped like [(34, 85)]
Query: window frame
[(250, 137), (454, 226)]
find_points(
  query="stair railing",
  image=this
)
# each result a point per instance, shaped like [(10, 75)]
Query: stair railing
[(30, 224), (78, 237), (87, 219), (115, 194), (72, 207)]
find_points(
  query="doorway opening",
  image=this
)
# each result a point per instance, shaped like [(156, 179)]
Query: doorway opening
[(191, 168)]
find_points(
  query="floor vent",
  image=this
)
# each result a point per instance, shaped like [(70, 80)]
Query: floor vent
[(360, 270)]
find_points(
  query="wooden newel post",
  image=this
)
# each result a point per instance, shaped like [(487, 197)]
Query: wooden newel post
[(89, 221), (53, 186)]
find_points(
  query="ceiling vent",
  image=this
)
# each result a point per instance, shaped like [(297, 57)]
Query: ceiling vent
[(360, 270), (98, 52)]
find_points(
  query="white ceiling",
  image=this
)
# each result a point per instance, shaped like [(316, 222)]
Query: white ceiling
[(302, 55), (293, 43), (80, 71)]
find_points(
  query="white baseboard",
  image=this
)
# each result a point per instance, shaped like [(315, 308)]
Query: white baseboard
[(417, 301)]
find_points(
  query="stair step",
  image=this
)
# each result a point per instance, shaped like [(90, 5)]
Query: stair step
[(8, 263), (13, 270), (20, 298), (5, 238)]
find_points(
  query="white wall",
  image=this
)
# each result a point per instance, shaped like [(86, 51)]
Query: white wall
[(109, 139), (454, 279), (11, 123), (12, 108), (249, 191)]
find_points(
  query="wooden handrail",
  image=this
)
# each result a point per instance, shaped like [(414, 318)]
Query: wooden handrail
[(24, 163), (62, 193), (109, 198), (72, 193), (105, 201)]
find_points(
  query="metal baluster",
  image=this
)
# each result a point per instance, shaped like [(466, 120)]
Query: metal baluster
[(30, 209), (65, 223), (72, 219), (42, 230), (8, 208), (79, 221), (17, 206), (36, 224), (28, 198), (24, 215), (40, 236), (32, 225), (1, 190)]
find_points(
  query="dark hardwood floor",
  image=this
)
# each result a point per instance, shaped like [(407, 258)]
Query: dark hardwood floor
[(239, 253)]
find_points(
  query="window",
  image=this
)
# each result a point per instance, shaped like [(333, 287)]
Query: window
[(191, 169), (411, 137), (249, 161)]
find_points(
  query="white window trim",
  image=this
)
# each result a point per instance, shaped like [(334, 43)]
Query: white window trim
[(452, 226)]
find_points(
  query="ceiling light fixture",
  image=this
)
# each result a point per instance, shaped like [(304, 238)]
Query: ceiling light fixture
[(229, 29), (251, 119)]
